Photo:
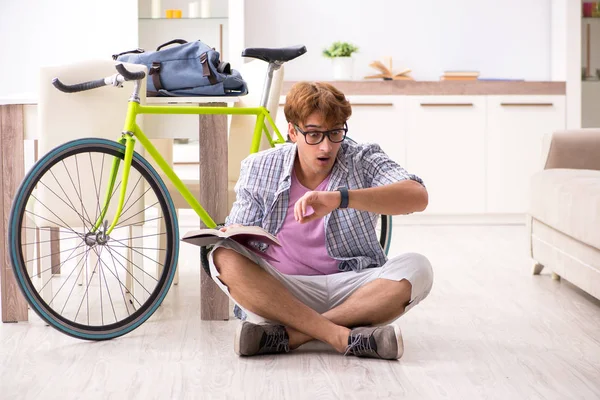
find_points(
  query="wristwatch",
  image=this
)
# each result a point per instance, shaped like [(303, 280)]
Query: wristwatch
[(345, 198)]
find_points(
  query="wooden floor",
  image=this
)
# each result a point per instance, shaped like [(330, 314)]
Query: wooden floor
[(489, 330)]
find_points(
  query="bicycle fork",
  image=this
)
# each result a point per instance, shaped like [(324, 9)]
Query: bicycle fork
[(129, 142)]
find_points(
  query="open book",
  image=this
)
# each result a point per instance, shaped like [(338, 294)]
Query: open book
[(244, 235), (386, 71)]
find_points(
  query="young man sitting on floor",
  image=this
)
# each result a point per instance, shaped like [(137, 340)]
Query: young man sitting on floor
[(321, 196)]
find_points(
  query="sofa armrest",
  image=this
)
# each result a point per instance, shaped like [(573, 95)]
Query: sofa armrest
[(573, 149)]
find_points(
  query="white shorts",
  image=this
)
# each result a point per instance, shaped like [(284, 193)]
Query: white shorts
[(324, 292)]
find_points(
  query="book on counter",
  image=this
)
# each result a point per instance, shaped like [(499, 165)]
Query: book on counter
[(460, 76), (387, 73)]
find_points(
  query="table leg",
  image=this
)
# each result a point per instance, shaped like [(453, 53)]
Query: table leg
[(214, 304), (12, 170)]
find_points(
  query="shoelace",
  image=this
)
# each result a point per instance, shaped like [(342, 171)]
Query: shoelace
[(277, 341), (359, 344)]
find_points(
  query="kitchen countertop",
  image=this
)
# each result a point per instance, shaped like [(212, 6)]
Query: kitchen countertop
[(480, 87)]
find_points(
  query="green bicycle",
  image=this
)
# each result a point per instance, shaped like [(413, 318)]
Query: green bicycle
[(109, 275)]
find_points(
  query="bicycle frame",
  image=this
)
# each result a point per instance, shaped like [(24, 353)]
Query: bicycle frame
[(131, 132)]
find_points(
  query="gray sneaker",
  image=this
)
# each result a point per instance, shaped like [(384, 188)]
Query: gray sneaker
[(376, 342), (253, 339)]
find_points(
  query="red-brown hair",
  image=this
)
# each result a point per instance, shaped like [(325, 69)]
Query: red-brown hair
[(305, 98)]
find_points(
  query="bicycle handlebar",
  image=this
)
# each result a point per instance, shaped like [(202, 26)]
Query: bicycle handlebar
[(78, 87), (128, 75), (112, 80)]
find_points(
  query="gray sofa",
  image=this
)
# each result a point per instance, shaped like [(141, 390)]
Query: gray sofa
[(564, 209)]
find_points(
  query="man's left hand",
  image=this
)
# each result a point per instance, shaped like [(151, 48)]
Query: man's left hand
[(321, 202)]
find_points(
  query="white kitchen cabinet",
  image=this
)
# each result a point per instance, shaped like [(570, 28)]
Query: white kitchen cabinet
[(380, 120), (445, 147), (475, 154), (515, 129)]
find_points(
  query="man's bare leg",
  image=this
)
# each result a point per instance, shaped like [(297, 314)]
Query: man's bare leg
[(376, 302), (261, 293)]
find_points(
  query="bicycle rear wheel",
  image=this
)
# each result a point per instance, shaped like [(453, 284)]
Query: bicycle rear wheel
[(88, 284), (384, 232)]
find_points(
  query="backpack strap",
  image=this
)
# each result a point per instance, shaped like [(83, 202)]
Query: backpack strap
[(136, 51), (178, 41), (224, 68), (206, 71), (155, 74)]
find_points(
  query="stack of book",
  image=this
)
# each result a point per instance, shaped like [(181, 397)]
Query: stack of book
[(460, 76)]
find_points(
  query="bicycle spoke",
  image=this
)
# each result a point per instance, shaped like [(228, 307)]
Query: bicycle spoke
[(111, 196), (141, 197), (134, 264), (61, 199), (76, 192), (121, 286), (76, 279), (96, 191), (109, 296), (60, 265), (154, 234), (143, 248), (59, 231), (85, 295), (79, 183), (137, 223), (129, 197), (132, 276), (66, 227), (142, 254), (100, 283), (139, 212), (51, 254), (102, 273), (72, 205), (52, 222), (51, 240), (86, 279), (67, 279)]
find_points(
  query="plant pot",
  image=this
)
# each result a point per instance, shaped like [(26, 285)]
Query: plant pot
[(342, 68)]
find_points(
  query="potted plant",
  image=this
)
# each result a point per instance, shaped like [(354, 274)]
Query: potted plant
[(341, 57)]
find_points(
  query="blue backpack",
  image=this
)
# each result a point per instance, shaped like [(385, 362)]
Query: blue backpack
[(190, 69)]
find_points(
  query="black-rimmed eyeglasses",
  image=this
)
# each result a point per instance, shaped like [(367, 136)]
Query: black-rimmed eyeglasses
[(315, 137)]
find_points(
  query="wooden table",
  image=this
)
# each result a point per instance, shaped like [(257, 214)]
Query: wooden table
[(18, 119)]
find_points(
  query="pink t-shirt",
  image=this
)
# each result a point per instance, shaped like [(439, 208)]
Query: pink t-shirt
[(302, 250)]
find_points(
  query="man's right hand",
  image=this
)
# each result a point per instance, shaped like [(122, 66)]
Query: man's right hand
[(224, 229)]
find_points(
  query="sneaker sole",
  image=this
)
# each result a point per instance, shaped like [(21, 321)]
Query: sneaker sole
[(398, 333), (238, 335)]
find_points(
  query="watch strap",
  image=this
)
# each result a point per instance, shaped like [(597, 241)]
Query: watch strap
[(345, 198)]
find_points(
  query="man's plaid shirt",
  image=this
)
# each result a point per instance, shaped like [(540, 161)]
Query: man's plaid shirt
[(263, 196)]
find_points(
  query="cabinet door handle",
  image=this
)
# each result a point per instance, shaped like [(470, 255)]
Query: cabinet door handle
[(446, 104), (526, 104)]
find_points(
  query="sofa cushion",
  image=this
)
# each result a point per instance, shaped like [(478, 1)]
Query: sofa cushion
[(568, 200)]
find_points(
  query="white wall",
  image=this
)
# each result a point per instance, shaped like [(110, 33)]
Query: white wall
[(509, 39), (40, 32)]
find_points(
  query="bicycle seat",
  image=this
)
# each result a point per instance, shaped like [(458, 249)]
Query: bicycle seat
[(282, 54)]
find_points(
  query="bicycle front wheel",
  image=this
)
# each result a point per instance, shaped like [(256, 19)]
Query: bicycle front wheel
[(78, 277)]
